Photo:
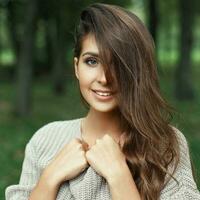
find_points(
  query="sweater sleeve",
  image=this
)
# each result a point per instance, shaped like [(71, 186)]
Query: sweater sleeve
[(28, 179), (31, 171), (186, 188), (39, 152)]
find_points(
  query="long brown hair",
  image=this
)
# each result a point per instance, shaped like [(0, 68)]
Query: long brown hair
[(126, 50)]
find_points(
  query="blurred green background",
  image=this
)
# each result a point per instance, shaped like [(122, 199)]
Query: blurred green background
[(37, 83)]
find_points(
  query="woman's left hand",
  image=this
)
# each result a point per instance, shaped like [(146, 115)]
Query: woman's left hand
[(106, 157)]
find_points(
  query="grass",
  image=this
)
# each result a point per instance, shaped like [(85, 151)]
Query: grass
[(46, 107)]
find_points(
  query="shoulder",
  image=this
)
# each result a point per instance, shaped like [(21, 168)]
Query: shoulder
[(50, 138), (57, 128), (182, 141), (184, 150), (183, 184), (180, 136)]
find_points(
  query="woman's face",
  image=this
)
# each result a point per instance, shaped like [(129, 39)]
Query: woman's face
[(92, 81)]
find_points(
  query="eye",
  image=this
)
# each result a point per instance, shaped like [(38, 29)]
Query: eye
[(91, 61)]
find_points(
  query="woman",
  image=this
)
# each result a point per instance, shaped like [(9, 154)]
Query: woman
[(125, 147)]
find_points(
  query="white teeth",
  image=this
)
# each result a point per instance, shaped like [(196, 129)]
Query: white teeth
[(103, 93)]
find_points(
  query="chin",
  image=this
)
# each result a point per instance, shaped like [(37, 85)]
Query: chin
[(104, 109)]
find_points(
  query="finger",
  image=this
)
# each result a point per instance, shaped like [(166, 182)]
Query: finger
[(85, 145), (97, 141), (79, 140)]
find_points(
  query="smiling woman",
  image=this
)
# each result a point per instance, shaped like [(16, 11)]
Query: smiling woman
[(125, 147)]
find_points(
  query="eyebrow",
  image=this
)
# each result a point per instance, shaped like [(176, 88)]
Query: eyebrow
[(91, 54)]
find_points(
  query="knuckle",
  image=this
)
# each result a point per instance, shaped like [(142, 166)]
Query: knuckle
[(86, 164), (83, 162), (88, 153), (82, 153), (98, 141), (79, 146), (106, 136)]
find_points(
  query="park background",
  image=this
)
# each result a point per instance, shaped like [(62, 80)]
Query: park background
[(37, 82)]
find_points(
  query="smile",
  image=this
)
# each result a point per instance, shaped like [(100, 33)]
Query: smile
[(103, 93)]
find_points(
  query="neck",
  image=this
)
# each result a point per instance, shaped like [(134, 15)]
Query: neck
[(97, 124)]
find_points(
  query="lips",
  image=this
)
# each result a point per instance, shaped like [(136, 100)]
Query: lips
[(103, 91), (104, 94)]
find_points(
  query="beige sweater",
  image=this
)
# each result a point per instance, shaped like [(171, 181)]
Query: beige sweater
[(48, 140)]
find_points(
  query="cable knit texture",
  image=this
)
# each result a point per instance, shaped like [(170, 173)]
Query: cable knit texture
[(88, 185)]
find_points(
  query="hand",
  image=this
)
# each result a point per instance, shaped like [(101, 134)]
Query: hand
[(106, 157), (68, 163)]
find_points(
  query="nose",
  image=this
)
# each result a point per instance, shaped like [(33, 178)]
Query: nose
[(102, 77)]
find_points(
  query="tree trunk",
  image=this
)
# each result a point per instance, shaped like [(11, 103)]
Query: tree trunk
[(59, 64), (12, 26), (25, 61), (153, 18), (153, 22), (184, 87)]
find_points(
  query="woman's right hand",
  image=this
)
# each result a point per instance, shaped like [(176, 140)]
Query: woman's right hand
[(67, 164)]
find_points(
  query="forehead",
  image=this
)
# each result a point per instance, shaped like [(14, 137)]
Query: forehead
[(89, 45)]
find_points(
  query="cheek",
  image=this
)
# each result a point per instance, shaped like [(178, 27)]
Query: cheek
[(86, 77)]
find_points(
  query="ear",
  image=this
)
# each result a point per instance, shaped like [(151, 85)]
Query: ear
[(76, 67)]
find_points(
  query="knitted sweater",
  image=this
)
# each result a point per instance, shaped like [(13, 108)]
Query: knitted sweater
[(88, 185)]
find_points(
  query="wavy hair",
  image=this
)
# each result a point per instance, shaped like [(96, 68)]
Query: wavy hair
[(126, 50)]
